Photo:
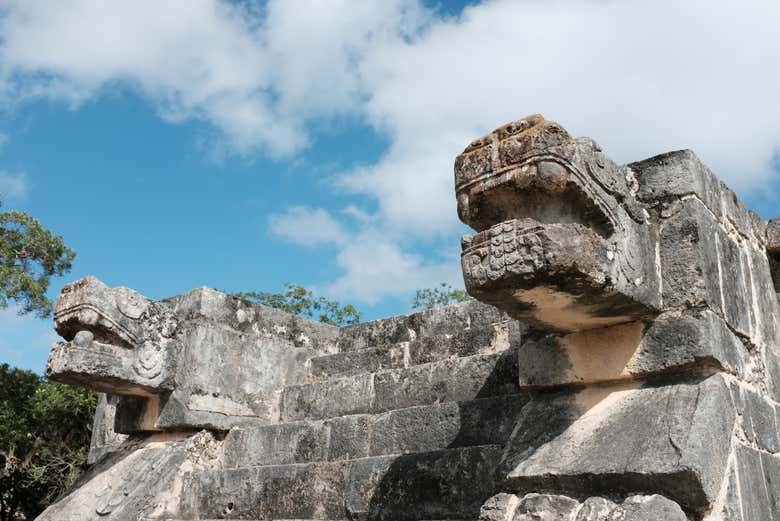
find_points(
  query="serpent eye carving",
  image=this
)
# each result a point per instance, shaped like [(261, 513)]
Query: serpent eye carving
[(149, 360)]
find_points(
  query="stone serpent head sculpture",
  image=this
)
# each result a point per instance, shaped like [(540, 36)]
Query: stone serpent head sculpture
[(562, 241)]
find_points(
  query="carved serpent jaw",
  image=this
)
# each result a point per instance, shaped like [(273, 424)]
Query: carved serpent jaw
[(116, 340), (562, 242)]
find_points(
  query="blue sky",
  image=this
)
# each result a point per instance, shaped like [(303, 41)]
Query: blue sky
[(242, 146)]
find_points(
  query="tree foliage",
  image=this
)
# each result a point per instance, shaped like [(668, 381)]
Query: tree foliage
[(45, 428), (301, 301), (441, 295), (29, 256)]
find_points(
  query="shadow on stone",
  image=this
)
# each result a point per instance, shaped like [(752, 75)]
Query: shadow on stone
[(659, 436), (454, 482)]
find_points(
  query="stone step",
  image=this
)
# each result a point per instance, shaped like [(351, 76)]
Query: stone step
[(450, 380), (444, 484), (486, 421), (485, 339), (405, 328)]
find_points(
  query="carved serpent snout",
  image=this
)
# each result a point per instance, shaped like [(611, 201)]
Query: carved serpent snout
[(562, 241)]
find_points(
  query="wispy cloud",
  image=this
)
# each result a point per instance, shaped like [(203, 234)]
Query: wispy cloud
[(375, 266), (13, 184), (308, 227)]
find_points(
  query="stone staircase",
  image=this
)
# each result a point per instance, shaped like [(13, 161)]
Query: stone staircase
[(407, 421)]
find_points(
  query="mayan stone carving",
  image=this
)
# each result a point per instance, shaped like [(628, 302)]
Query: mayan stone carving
[(619, 363), (563, 242)]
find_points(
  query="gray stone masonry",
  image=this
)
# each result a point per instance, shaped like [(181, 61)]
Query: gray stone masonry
[(620, 363)]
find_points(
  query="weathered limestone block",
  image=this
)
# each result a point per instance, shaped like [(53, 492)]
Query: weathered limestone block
[(279, 444), (500, 507), (443, 484), (691, 340), (405, 328), (753, 492), (758, 415), (350, 363), (493, 338), (713, 250), (696, 255), (446, 484), (467, 378), (452, 379), (312, 491), (550, 507), (105, 439), (773, 236), (554, 508), (666, 178), (487, 421), (671, 439), (728, 507), (142, 477)]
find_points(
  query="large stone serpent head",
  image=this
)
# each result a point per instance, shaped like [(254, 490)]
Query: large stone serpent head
[(562, 242), (116, 340)]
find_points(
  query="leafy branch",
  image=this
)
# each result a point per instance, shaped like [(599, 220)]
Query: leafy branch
[(30, 255), (300, 301)]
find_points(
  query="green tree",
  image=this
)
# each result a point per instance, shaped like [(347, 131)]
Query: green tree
[(45, 428), (441, 295), (30, 255), (301, 301)]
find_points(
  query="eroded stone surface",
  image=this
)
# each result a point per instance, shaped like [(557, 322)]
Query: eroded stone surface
[(142, 477), (692, 340), (668, 439), (551, 507)]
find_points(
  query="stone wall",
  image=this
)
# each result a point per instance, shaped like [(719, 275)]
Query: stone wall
[(623, 365)]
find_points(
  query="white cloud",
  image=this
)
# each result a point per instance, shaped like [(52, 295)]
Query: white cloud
[(640, 77), (375, 267), (372, 260), (357, 213), (13, 184), (256, 75), (308, 227)]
